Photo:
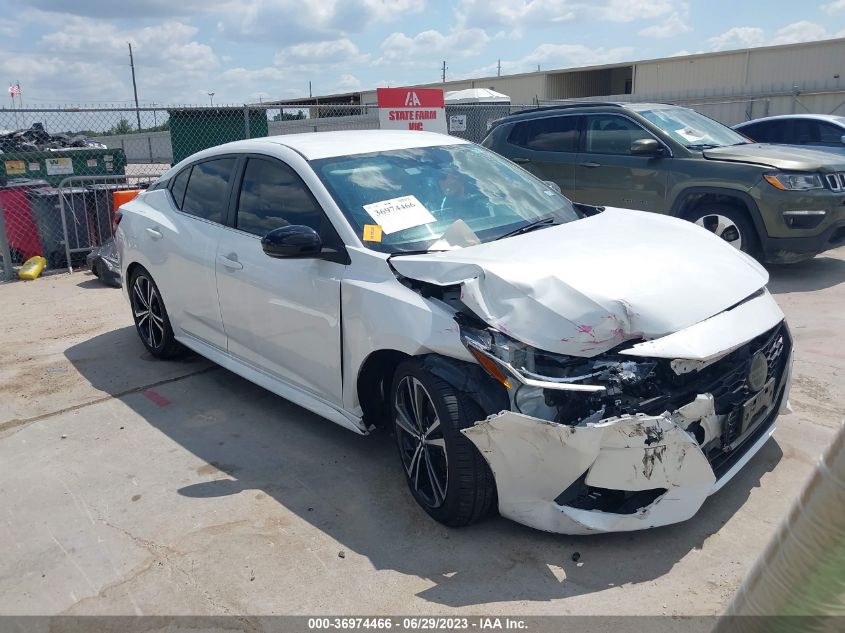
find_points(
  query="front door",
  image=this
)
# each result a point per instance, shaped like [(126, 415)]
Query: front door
[(607, 174), (281, 315)]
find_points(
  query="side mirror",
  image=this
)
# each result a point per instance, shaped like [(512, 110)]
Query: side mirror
[(843, 139), (293, 241), (553, 186), (646, 147)]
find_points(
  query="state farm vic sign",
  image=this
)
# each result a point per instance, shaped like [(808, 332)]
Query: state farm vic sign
[(411, 109)]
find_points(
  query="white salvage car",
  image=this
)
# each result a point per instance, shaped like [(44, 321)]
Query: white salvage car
[(580, 369)]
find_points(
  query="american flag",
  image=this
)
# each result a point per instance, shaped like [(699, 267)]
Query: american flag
[(15, 89)]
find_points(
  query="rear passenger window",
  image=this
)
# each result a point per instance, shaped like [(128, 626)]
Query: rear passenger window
[(272, 195), (207, 195), (551, 134), (180, 183)]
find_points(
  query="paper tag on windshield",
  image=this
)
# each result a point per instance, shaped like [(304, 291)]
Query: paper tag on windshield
[(398, 214), (690, 135)]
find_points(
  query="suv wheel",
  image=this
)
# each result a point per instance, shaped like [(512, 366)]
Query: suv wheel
[(446, 474), (150, 316), (729, 224)]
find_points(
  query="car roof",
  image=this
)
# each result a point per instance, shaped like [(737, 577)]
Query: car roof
[(578, 105), (831, 118), (316, 145)]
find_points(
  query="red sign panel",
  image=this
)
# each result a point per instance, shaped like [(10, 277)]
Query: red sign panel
[(412, 109)]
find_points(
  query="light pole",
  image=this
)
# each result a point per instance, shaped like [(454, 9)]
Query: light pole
[(211, 97)]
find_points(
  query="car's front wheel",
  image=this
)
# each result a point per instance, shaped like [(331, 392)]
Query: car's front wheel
[(150, 316), (446, 474)]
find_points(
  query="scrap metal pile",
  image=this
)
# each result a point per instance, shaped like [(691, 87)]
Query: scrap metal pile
[(37, 139)]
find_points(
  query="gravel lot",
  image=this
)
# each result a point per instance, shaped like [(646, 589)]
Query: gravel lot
[(134, 486)]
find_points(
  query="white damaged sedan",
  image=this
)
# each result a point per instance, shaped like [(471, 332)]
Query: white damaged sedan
[(581, 369)]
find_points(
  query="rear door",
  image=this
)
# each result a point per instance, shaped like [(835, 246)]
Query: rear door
[(186, 249), (281, 315), (547, 147), (608, 174)]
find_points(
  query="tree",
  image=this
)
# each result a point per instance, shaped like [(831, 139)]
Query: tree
[(122, 127)]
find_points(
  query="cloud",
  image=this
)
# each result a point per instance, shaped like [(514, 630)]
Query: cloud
[(749, 37), (553, 56), (738, 37), (517, 15), (149, 9), (833, 7), (347, 83), (327, 52), (419, 49), (802, 31), (674, 25), (294, 21)]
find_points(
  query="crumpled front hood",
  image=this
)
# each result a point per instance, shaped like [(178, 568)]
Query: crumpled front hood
[(584, 287), (778, 156)]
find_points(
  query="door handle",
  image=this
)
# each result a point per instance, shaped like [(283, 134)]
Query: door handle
[(520, 160), (591, 164), (231, 264), (154, 233)]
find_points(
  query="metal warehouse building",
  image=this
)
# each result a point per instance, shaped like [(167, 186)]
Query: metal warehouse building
[(731, 86)]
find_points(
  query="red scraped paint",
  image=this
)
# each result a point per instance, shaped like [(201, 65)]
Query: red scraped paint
[(156, 397)]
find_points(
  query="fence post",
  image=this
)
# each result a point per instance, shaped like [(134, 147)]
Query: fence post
[(5, 251), (246, 121), (150, 145), (64, 224)]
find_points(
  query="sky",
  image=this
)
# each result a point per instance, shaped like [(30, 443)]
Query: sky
[(75, 51)]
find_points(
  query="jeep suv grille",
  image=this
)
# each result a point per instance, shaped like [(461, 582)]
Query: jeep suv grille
[(836, 182)]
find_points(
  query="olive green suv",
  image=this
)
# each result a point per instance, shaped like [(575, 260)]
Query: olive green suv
[(778, 203)]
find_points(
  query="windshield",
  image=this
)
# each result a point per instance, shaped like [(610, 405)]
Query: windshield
[(438, 198), (692, 129)]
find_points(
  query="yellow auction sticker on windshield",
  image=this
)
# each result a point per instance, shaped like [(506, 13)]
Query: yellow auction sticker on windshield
[(372, 233), (398, 214)]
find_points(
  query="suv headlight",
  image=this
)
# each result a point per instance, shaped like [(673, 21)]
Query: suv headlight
[(795, 182)]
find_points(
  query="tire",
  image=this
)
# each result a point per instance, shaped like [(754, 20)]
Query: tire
[(151, 321), (729, 223), (446, 474)]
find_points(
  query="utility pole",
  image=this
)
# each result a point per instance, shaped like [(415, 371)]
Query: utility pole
[(134, 85), (211, 97), (443, 75), (309, 89), (499, 69)]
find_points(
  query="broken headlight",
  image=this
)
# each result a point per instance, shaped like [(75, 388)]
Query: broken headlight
[(561, 388)]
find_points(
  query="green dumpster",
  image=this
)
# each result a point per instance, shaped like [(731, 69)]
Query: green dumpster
[(54, 166), (195, 129)]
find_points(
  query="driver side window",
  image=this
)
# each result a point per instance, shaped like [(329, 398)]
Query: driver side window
[(272, 196), (611, 134)]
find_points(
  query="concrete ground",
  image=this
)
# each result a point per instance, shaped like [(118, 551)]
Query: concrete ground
[(135, 486)]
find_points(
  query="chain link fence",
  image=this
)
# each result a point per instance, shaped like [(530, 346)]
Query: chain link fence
[(60, 167)]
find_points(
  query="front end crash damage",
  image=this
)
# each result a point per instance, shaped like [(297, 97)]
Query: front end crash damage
[(622, 441), (630, 401)]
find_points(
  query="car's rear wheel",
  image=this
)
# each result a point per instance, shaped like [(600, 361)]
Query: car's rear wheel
[(150, 316), (729, 224), (446, 474)]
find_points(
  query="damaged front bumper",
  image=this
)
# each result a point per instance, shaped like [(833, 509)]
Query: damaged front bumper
[(626, 472)]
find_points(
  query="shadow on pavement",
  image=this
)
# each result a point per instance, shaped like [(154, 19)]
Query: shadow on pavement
[(351, 488), (815, 274)]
